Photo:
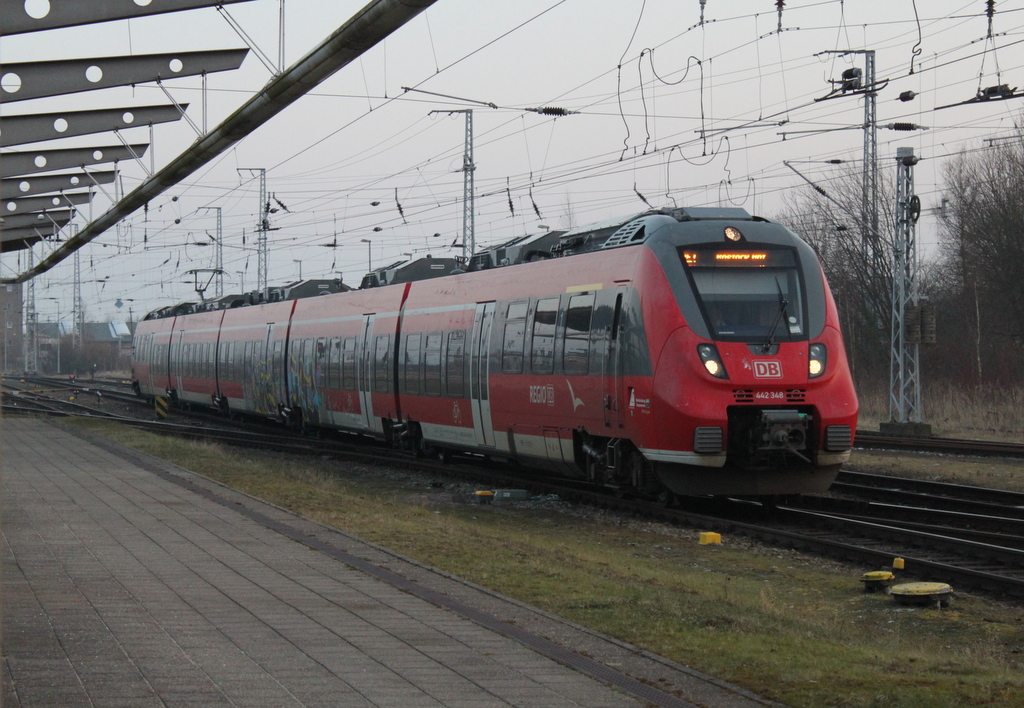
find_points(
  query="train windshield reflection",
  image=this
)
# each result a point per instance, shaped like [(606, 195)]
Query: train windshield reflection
[(748, 296)]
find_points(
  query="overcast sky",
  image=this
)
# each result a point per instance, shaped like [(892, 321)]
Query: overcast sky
[(668, 108)]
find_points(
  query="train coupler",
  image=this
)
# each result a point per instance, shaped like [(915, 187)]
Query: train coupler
[(784, 430)]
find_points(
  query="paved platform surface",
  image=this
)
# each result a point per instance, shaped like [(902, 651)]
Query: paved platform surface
[(131, 582)]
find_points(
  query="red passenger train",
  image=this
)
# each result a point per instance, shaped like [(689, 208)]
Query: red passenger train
[(684, 351)]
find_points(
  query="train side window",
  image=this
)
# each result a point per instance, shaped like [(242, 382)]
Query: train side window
[(455, 363), (432, 364), (277, 360), (320, 366), (514, 338), (380, 363), (412, 363), (542, 353), (516, 311), (577, 334), (617, 317), (348, 364), (334, 362), (306, 360)]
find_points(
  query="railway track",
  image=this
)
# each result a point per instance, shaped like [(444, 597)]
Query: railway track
[(952, 446), (966, 536)]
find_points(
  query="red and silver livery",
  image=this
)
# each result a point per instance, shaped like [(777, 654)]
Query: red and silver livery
[(684, 351)]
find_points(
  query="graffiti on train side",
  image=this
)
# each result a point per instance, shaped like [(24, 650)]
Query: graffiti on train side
[(258, 386), (306, 379)]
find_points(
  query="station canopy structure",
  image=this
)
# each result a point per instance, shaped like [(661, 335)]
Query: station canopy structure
[(52, 164)]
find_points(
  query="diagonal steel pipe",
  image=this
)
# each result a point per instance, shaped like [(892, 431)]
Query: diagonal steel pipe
[(362, 31)]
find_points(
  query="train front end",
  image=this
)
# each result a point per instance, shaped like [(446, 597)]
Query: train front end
[(752, 390)]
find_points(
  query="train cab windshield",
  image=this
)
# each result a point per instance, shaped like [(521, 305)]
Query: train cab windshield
[(748, 295)]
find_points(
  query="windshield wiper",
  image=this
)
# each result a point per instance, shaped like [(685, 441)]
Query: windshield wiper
[(783, 304)]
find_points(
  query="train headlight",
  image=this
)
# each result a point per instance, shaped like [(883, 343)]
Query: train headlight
[(733, 234), (818, 359), (712, 362)]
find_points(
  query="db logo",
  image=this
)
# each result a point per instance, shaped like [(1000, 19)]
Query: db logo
[(767, 370)]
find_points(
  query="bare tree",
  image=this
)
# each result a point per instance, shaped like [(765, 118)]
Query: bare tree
[(856, 261), (982, 267), (568, 213)]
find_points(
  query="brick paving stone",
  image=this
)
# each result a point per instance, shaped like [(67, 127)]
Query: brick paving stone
[(122, 588)]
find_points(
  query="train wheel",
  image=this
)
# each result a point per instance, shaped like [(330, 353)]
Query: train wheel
[(667, 498), (444, 455)]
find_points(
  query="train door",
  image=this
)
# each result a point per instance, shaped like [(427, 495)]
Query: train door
[(365, 374), (152, 356), (478, 373), (177, 360), (611, 369), (278, 366), (262, 373)]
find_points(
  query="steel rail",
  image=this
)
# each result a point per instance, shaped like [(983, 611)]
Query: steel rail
[(953, 446), (959, 491)]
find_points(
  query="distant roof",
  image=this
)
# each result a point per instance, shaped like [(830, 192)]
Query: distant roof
[(102, 332)]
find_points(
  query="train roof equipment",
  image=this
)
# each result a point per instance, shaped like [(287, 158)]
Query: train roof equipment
[(619, 232), (409, 271)]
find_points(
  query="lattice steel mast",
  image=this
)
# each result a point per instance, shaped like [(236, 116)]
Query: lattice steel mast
[(904, 373)]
